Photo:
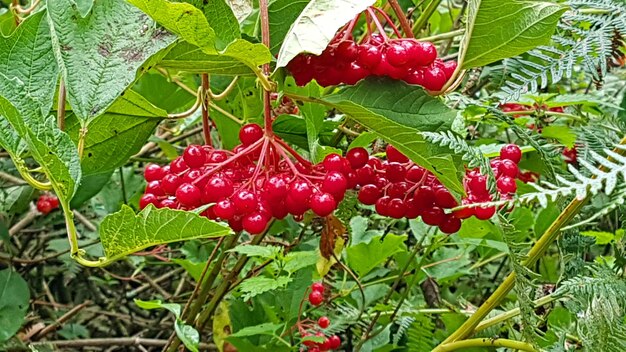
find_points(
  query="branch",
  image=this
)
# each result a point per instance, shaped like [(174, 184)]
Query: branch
[(485, 342)]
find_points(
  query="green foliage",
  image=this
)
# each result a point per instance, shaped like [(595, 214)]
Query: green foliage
[(14, 299), (187, 334), (420, 334), (364, 257)]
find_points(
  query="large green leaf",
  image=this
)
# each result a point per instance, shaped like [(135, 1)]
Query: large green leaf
[(397, 113), (500, 29), (125, 232), (364, 257), (316, 26), (99, 55), (27, 56), (14, 297), (221, 18), (191, 25), (282, 14), (118, 134), (190, 58)]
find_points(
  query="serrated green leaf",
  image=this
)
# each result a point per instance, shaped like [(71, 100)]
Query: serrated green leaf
[(99, 55), (397, 112), (255, 286), (125, 232), (282, 14), (295, 261), (116, 135), (190, 58), (14, 298), (500, 29), (364, 257), (316, 26), (221, 18), (174, 308), (261, 329), (564, 134), (265, 252)]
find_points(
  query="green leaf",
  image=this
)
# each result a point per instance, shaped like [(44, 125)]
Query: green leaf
[(255, 286), (600, 236), (261, 329), (282, 14), (316, 26), (27, 56), (545, 218), (99, 55), (364, 257), (187, 335), (14, 298), (563, 134), (313, 115), (221, 18), (397, 112), (363, 140), (89, 186), (295, 261), (497, 30), (174, 308), (118, 134), (125, 232), (190, 58), (194, 269), (265, 252)]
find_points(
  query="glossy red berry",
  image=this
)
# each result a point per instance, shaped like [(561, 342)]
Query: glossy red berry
[(224, 209), (397, 55), (415, 173), (250, 133), (170, 184), (347, 51), (189, 195), (178, 165), (317, 286), (44, 206), (434, 78), (427, 54), (316, 298), (357, 157), (511, 152), (334, 183), (335, 342), (445, 199), (506, 185), (245, 201), (194, 156), (153, 172), (396, 208), (146, 199), (508, 168), (433, 216), (276, 187), (254, 223), (333, 162), (484, 212), (323, 322), (449, 67), (300, 191), (382, 205), (155, 188), (394, 154), (218, 188), (323, 204), (425, 195), (450, 224), (369, 56)]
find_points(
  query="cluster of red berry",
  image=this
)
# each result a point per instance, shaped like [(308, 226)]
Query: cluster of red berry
[(309, 328), (260, 179), (399, 188), (346, 61), (47, 203)]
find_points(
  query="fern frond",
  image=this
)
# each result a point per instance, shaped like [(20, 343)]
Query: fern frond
[(404, 323), (420, 335)]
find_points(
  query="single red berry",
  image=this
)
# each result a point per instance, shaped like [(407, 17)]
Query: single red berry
[(415, 174), (484, 212), (235, 224), (323, 204), (511, 152), (347, 51), (250, 133), (433, 216), (450, 224), (300, 191), (323, 322), (170, 184), (155, 188), (189, 195), (143, 202), (365, 175), (394, 154), (357, 157), (477, 184), (508, 168), (449, 67), (570, 155), (153, 172), (218, 188), (397, 55), (54, 201), (316, 298), (178, 165), (425, 195), (296, 207), (217, 156), (427, 53), (333, 162), (335, 183), (335, 342), (276, 187), (245, 201), (434, 78), (169, 203), (317, 286), (254, 223), (354, 73), (398, 190), (382, 205), (369, 56), (444, 199), (395, 171), (396, 208), (506, 185), (194, 156), (465, 212), (44, 206), (224, 209)]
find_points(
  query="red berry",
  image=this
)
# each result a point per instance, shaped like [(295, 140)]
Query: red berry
[(316, 298), (194, 156), (178, 165), (333, 162), (189, 195), (425, 195), (396, 208), (155, 188), (54, 201), (224, 209), (44, 206), (300, 191), (143, 202), (427, 53), (218, 188), (448, 68), (397, 55), (394, 154), (450, 224), (317, 286), (433, 216), (395, 171), (335, 342), (250, 133), (511, 152), (369, 56), (323, 204), (170, 184), (506, 185), (323, 322), (357, 157), (335, 183), (354, 73), (366, 175), (508, 168), (415, 173), (484, 212), (347, 51), (398, 190), (382, 205), (477, 184), (169, 203), (444, 199), (276, 187), (415, 76), (434, 78), (245, 201), (235, 224), (153, 172), (254, 223)]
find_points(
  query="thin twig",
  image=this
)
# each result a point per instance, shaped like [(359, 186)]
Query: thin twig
[(115, 341), (404, 23), (65, 317)]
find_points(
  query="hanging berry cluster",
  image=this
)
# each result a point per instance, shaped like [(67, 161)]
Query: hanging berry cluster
[(346, 61), (309, 328), (399, 188), (47, 203), (260, 179)]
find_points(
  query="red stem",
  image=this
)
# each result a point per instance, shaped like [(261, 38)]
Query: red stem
[(348, 30), (404, 23), (380, 27), (293, 152), (389, 21), (265, 38), (206, 124)]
